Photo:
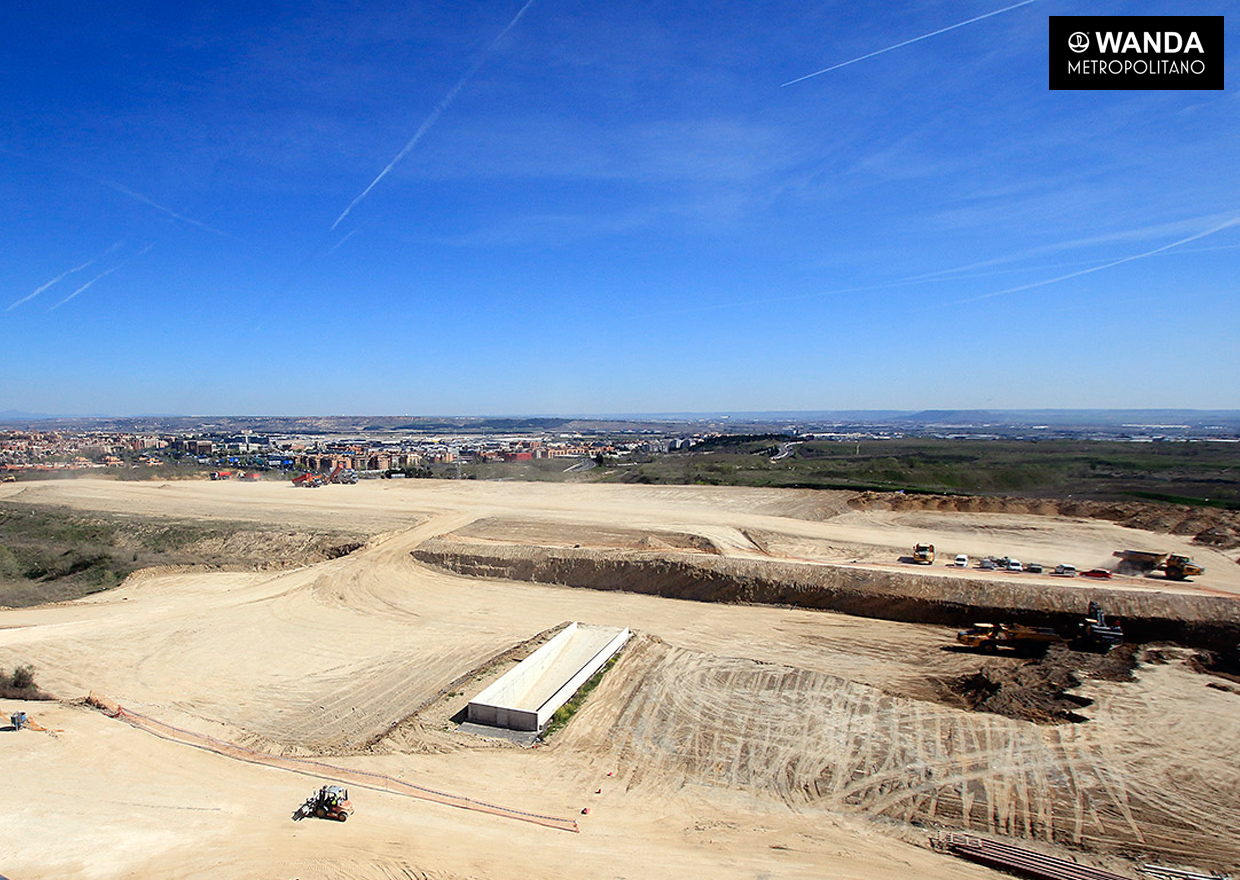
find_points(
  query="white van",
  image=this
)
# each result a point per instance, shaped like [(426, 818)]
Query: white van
[(1014, 565), (962, 561), (1068, 571)]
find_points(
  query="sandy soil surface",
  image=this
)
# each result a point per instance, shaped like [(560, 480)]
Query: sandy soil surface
[(728, 741)]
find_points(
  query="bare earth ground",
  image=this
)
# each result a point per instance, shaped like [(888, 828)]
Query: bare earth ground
[(729, 741)]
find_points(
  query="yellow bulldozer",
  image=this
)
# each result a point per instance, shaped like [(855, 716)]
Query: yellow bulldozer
[(989, 637)]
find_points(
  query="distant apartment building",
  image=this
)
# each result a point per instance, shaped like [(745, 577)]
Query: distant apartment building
[(377, 462), (139, 444), (568, 450), (194, 447)]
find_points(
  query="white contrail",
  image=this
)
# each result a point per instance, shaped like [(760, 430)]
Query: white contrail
[(1152, 231), (124, 190), (86, 285), (444, 103), (1226, 224), (941, 277), (906, 43), (44, 287), (352, 233)]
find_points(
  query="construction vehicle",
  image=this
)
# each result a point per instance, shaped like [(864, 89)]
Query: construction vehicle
[(1096, 634), (342, 474), (1179, 567), (309, 480), (1175, 566), (329, 802), (923, 553), (989, 637), (10, 478)]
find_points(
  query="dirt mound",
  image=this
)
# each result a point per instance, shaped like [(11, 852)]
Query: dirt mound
[(1209, 527), (1223, 664), (559, 534), (1039, 690)]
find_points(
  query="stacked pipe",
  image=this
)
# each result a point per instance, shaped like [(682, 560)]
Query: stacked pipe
[(1013, 858)]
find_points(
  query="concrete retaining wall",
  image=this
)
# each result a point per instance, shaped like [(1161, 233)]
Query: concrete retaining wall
[(526, 697), (1147, 615)]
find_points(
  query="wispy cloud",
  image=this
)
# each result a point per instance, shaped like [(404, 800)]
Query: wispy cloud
[(103, 274), (444, 103), (909, 42)]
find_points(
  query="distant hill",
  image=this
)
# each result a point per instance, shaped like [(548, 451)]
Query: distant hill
[(978, 422), (13, 415), (1077, 418)]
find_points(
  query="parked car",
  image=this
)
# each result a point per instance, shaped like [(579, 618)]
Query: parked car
[(1014, 565), (962, 561), (987, 565), (1096, 573), (1065, 570), (1035, 567)]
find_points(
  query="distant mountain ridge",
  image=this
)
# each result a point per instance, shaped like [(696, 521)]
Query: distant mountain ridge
[(13, 415), (1016, 422), (1073, 417)]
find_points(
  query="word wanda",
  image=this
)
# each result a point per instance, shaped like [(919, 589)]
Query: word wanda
[(1158, 43)]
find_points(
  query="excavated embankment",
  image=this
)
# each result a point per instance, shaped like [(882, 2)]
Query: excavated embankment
[(1192, 620)]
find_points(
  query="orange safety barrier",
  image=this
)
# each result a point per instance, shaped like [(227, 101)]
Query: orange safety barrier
[(307, 767)]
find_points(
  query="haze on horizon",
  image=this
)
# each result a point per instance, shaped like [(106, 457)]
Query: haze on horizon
[(541, 207)]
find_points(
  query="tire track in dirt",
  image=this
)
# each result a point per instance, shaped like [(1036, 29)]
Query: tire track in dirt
[(810, 738)]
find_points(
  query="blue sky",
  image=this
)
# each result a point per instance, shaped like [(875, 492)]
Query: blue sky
[(602, 208)]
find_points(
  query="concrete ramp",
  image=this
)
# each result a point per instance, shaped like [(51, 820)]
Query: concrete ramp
[(526, 696)]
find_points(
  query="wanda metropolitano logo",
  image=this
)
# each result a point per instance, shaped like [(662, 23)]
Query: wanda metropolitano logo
[(1136, 52)]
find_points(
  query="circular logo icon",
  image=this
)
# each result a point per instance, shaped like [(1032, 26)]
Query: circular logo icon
[(1078, 42)]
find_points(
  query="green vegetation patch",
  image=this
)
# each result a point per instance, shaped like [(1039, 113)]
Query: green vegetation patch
[(1201, 474), (568, 710), (55, 554), (20, 685)]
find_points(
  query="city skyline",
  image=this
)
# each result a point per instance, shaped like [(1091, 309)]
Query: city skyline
[(535, 207)]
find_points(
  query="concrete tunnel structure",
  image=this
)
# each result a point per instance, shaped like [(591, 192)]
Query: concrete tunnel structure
[(526, 696)]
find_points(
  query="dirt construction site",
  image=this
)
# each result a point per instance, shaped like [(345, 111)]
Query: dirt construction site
[(792, 702)]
